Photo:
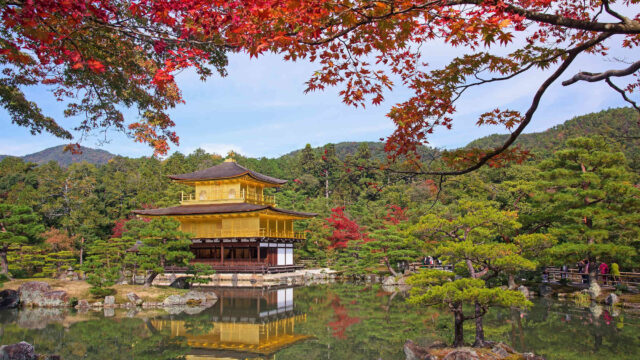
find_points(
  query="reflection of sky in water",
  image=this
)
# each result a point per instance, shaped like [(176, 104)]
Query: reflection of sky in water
[(338, 321)]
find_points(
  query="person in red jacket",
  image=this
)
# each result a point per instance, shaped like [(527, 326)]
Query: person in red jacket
[(604, 271)]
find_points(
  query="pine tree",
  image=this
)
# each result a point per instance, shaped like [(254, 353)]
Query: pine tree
[(467, 235), (433, 287), (593, 207), (390, 247), (163, 244), (19, 225)]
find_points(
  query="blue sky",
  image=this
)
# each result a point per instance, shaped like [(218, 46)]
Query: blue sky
[(260, 109)]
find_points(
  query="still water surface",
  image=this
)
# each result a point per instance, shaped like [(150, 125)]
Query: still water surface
[(336, 321)]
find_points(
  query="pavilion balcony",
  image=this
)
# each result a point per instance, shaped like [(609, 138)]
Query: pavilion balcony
[(223, 197), (234, 266), (259, 233)]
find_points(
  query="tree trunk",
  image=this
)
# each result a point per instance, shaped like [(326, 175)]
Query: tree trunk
[(81, 250), (458, 320), (512, 282), (393, 272), (3, 262), (479, 328), (150, 279), (326, 184)]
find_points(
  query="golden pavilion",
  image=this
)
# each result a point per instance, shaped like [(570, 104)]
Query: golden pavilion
[(246, 323), (236, 226)]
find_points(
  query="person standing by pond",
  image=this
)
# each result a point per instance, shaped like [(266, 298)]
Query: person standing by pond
[(615, 273), (604, 271)]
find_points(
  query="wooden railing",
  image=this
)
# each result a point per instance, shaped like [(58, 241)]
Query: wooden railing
[(573, 276), (219, 196), (233, 233)]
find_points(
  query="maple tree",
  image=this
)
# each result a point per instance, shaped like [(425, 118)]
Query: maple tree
[(344, 229), (365, 45), (101, 56), (126, 53)]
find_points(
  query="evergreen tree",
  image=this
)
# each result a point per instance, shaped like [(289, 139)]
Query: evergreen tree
[(162, 245), (19, 225), (593, 207), (433, 287), (467, 235), (390, 247)]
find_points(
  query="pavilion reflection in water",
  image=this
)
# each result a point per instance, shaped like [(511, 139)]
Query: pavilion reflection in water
[(246, 323)]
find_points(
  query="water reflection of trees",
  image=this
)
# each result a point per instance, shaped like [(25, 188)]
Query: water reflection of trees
[(97, 338), (346, 321), (563, 331)]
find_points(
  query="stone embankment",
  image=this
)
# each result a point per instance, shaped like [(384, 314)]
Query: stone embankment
[(299, 277), (439, 351), (38, 294)]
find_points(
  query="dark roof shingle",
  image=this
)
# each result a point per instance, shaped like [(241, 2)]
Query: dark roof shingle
[(226, 170)]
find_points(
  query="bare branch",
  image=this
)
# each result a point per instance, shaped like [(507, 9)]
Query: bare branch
[(594, 77), (623, 93)]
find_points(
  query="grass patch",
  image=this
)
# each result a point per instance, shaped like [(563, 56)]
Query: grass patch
[(80, 289)]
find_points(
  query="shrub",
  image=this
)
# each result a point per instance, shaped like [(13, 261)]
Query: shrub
[(100, 292), (621, 288), (73, 301)]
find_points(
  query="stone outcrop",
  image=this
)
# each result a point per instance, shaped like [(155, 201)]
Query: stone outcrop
[(192, 298), (9, 299), (109, 301), (545, 290), (594, 290), (20, 351), (134, 299), (23, 351), (415, 352), (525, 291), (612, 299), (39, 294), (491, 351)]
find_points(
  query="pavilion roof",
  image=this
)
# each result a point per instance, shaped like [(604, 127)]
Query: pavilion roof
[(205, 209), (226, 170)]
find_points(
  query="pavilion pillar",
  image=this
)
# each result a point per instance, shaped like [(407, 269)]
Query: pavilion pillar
[(221, 253), (258, 252)]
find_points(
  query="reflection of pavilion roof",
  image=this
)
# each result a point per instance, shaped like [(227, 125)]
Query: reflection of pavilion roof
[(243, 321), (263, 338)]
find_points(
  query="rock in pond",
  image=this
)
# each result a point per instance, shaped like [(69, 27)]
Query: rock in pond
[(134, 298), (439, 351), (9, 299), (525, 291), (611, 299), (110, 301), (415, 352), (20, 351), (545, 290), (594, 290), (39, 294), (23, 351), (83, 304)]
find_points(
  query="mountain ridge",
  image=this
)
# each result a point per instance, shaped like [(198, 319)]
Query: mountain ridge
[(619, 124)]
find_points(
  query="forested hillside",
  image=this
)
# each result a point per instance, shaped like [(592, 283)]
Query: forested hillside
[(355, 199), (621, 126), (66, 158)]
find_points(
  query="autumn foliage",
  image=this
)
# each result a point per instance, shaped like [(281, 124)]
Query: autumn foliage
[(344, 229), (110, 53)]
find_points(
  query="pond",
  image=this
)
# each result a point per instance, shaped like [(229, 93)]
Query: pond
[(335, 321)]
